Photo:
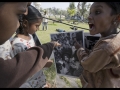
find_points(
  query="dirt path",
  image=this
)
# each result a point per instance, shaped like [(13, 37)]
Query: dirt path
[(67, 82)]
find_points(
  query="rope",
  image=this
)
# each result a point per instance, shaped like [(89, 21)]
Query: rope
[(66, 23)]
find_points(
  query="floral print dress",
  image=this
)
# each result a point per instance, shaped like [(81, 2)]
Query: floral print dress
[(38, 80), (6, 50)]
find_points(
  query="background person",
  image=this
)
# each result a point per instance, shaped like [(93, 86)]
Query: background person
[(45, 21)]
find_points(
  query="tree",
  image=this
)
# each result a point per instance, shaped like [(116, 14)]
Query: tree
[(54, 12), (83, 8), (41, 10), (64, 12), (87, 10), (37, 5), (71, 9)]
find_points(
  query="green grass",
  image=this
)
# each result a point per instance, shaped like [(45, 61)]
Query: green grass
[(78, 83), (65, 80), (44, 37), (50, 75)]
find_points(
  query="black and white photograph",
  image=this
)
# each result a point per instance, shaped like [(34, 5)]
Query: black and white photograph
[(65, 58), (90, 40)]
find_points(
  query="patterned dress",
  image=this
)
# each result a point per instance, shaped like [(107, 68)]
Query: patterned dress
[(6, 50), (38, 80)]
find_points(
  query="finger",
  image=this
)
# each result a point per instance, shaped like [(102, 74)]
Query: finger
[(77, 42), (59, 44)]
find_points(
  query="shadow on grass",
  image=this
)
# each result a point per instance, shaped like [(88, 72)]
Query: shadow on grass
[(53, 24), (41, 30)]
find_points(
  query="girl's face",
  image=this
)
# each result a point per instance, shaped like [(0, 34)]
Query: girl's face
[(100, 19), (9, 19), (34, 27)]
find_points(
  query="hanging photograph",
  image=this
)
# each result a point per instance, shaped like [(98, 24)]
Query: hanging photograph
[(65, 58), (90, 40)]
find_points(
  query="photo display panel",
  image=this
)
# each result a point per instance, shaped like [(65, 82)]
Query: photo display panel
[(65, 58)]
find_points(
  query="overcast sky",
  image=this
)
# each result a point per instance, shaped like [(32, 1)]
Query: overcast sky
[(60, 5)]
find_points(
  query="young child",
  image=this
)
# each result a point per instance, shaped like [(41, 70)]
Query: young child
[(102, 65), (14, 72), (23, 40)]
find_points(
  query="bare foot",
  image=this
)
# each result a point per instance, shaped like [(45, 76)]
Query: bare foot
[(47, 85)]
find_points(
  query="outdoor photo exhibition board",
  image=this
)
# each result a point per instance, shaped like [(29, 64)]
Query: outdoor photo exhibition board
[(65, 58), (66, 61)]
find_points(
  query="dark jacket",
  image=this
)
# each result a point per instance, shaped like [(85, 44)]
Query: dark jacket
[(14, 72)]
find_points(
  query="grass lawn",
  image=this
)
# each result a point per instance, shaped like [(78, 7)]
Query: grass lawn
[(44, 36)]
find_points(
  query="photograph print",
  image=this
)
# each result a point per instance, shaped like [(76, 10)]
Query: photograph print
[(90, 40), (65, 58)]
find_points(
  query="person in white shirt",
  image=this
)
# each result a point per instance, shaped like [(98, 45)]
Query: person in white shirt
[(45, 21)]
